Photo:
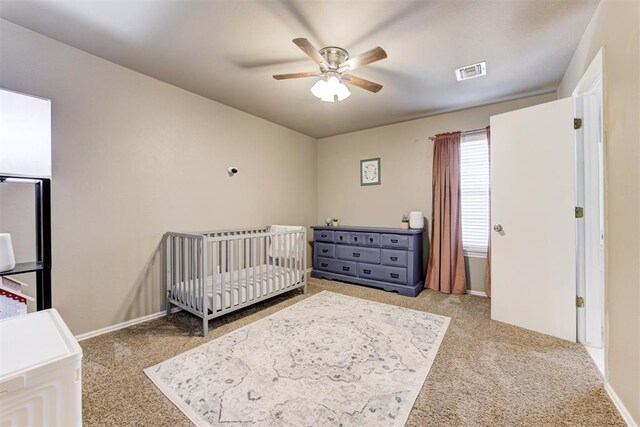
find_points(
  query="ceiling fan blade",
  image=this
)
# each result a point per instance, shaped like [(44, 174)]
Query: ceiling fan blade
[(373, 55), (313, 53), (296, 75), (362, 83)]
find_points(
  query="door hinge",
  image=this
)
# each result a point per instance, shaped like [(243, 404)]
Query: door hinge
[(577, 123), (579, 302), (579, 212)]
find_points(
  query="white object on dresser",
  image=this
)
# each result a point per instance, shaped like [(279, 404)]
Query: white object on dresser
[(7, 259), (416, 220), (40, 371)]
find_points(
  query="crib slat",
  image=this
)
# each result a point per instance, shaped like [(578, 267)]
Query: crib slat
[(274, 262), (195, 260), (181, 261), (247, 266), (196, 276), (263, 281), (169, 266), (225, 270), (290, 257), (197, 288), (204, 272), (214, 278), (240, 265), (284, 261), (190, 260), (232, 253), (253, 267), (214, 273)]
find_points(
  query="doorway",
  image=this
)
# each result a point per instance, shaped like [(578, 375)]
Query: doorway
[(590, 230)]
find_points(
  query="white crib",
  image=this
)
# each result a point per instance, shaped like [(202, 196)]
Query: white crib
[(214, 273)]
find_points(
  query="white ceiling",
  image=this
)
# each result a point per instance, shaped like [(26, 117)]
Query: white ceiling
[(228, 50)]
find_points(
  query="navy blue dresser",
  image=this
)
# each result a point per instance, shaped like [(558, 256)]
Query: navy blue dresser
[(387, 258)]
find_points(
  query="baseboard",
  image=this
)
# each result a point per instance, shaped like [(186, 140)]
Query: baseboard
[(626, 416), (476, 293), (122, 325)]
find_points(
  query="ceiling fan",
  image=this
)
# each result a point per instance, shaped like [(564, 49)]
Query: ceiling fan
[(334, 65)]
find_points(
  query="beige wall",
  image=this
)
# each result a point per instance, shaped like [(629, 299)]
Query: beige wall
[(406, 164), (134, 157), (616, 26)]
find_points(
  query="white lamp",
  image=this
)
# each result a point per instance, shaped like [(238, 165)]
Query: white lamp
[(7, 259), (416, 220)]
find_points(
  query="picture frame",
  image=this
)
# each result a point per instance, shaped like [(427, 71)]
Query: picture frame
[(370, 172)]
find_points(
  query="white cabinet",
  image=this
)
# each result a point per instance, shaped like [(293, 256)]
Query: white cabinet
[(40, 372)]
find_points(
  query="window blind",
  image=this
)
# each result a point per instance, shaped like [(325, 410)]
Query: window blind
[(474, 189)]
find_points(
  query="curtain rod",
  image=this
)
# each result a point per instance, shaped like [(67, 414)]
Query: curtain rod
[(433, 138)]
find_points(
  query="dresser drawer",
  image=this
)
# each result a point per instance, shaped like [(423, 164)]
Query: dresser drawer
[(383, 273), (342, 237), (394, 258), (337, 266), (357, 238), (360, 254), (394, 241), (323, 235), (371, 239), (326, 250)]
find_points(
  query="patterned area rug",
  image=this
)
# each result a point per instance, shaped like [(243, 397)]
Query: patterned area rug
[(327, 360)]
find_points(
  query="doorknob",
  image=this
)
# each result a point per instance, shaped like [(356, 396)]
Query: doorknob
[(497, 228)]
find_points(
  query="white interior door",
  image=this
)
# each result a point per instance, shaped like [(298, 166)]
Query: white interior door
[(591, 230), (533, 246), (588, 95)]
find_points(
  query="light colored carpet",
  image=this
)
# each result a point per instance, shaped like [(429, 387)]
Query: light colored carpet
[(327, 360), (485, 373)]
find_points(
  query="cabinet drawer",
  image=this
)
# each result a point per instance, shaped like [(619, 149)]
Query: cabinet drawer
[(342, 237), (336, 266), (326, 250), (323, 235), (383, 273), (357, 238), (394, 258), (371, 239), (394, 241), (354, 253)]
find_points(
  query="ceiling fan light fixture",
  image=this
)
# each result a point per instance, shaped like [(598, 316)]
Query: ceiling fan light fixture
[(318, 90), (330, 88), (342, 92)]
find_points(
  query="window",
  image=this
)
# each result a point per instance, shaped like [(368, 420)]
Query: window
[(474, 189)]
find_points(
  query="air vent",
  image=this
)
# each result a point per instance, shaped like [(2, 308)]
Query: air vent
[(471, 71)]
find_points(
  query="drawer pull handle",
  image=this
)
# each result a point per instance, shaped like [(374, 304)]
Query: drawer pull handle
[(394, 240), (355, 239), (340, 237), (366, 271), (324, 264), (393, 258), (371, 239), (324, 251), (324, 235), (394, 275), (345, 268), (356, 255)]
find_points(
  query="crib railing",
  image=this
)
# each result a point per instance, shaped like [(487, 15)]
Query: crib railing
[(213, 273)]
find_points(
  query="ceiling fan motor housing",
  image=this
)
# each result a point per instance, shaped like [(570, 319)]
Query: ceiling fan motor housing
[(334, 56)]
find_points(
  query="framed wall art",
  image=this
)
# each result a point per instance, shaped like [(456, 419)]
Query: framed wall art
[(370, 171)]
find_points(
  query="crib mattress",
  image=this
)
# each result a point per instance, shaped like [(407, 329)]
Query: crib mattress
[(247, 284)]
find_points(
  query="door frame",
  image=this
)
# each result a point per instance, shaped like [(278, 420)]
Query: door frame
[(591, 84)]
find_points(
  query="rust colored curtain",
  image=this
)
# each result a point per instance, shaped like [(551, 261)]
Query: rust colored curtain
[(487, 275), (445, 271)]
